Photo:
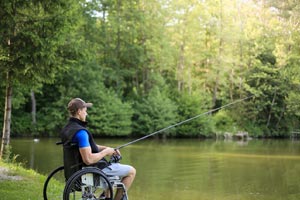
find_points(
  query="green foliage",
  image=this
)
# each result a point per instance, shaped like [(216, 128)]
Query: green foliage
[(190, 106), (110, 116), (32, 34), (266, 83), (293, 105), (35, 44), (224, 122), (6, 157), (153, 113), (254, 130), (149, 64)]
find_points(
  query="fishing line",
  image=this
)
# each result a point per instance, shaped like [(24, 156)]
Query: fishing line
[(182, 122)]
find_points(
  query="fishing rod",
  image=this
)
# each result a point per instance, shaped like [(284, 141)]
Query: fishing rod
[(182, 122)]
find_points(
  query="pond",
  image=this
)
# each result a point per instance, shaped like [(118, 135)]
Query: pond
[(194, 169)]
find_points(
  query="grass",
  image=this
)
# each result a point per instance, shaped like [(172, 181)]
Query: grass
[(17, 183)]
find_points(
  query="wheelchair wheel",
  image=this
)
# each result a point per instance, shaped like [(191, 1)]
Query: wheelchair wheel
[(88, 184), (54, 185)]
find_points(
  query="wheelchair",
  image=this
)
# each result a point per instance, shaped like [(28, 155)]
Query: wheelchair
[(88, 183)]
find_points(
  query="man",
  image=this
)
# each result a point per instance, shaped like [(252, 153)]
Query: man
[(81, 150)]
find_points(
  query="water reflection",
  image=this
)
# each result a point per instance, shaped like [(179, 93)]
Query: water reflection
[(194, 169)]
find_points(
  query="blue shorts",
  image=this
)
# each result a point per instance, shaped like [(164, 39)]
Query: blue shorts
[(117, 169)]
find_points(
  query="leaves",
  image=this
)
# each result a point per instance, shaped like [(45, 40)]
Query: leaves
[(154, 112), (149, 64)]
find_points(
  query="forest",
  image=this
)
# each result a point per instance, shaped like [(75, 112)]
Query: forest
[(148, 64)]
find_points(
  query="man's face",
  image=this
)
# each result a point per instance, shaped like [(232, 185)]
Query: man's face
[(82, 113)]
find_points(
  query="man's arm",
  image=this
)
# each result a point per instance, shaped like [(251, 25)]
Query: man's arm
[(90, 158), (100, 147), (86, 151)]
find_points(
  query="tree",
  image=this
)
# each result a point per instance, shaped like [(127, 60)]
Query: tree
[(200, 50), (109, 116), (191, 105), (155, 110), (265, 82), (33, 36)]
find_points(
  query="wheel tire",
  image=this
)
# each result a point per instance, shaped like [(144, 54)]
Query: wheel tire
[(54, 185), (89, 183)]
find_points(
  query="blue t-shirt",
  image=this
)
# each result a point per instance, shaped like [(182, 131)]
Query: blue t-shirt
[(82, 139)]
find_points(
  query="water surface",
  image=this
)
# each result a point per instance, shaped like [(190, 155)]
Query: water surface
[(193, 169)]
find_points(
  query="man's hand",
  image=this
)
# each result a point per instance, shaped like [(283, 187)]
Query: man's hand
[(117, 152), (109, 151)]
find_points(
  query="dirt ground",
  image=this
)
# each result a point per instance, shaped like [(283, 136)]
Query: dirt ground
[(5, 175)]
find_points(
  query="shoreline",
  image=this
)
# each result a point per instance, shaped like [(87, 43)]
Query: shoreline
[(19, 183)]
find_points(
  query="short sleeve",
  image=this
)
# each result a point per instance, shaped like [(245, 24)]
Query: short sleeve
[(82, 138)]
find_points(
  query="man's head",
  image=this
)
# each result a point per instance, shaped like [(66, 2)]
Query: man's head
[(77, 108)]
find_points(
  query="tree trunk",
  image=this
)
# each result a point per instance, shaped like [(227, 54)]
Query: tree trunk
[(180, 68), (215, 91), (118, 45), (33, 107), (280, 117), (7, 117), (270, 112), (33, 111), (190, 85), (232, 84), (219, 61)]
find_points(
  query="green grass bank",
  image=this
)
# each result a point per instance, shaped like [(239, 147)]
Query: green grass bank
[(17, 183)]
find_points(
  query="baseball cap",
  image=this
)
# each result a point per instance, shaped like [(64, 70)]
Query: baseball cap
[(76, 104)]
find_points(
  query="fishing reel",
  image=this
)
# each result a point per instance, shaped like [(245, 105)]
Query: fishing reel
[(115, 159)]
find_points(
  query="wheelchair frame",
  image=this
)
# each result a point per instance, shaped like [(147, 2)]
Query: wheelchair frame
[(89, 183)]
